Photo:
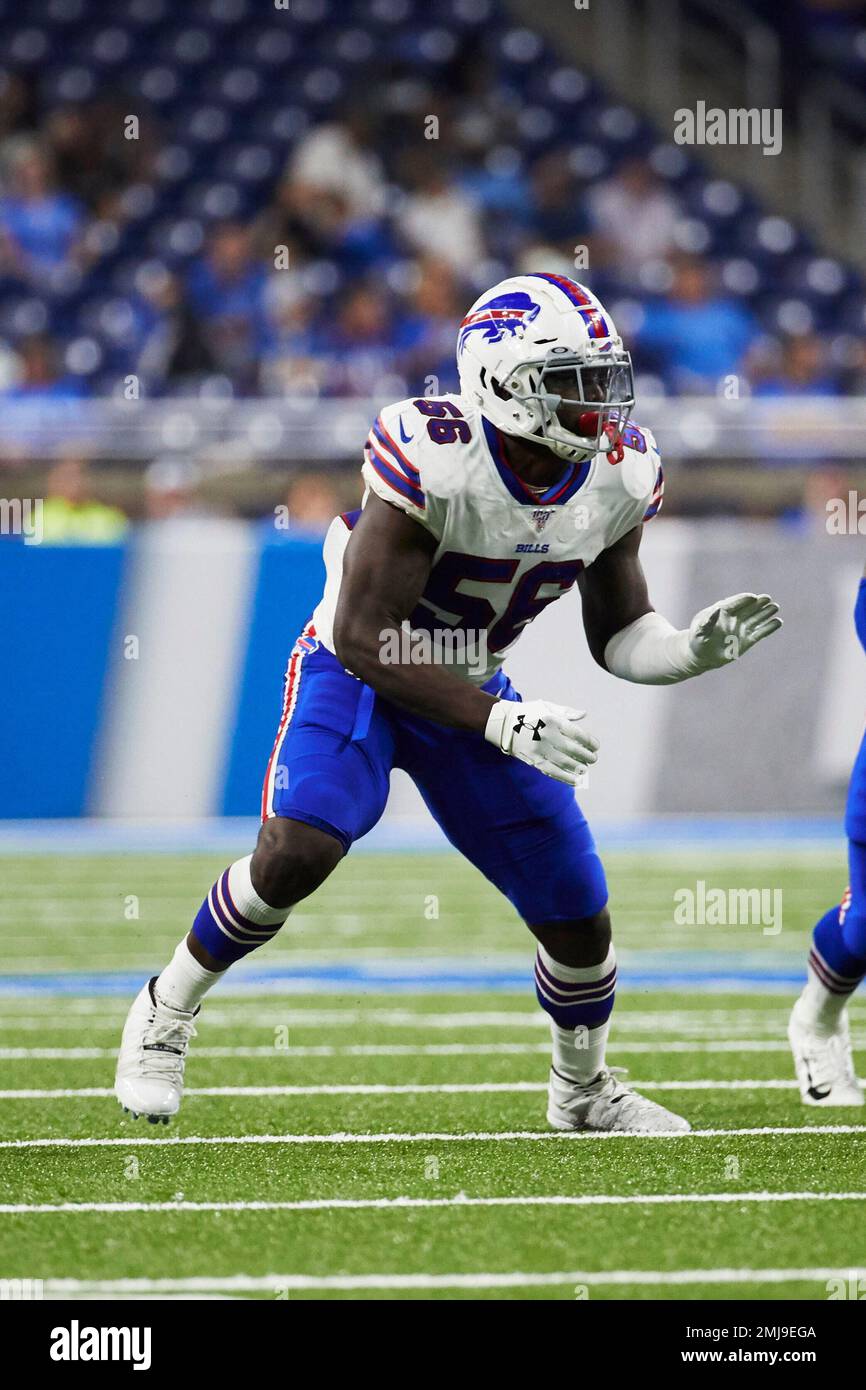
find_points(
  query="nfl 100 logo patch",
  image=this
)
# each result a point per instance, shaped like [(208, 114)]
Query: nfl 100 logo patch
[(540, 518)]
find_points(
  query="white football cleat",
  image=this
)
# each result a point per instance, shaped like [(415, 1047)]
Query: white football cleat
[(149, 1076), (824, 1062), (608, 1104)]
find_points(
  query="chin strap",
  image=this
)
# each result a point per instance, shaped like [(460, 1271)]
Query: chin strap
[(611, 443), (616, 449)]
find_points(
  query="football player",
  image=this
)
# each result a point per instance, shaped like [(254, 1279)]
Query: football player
[(480, 509), (818, 1028)]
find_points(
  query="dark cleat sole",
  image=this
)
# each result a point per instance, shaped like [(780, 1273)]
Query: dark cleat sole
[(151, 1119)]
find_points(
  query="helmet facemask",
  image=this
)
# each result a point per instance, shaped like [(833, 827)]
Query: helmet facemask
[(578, 408)]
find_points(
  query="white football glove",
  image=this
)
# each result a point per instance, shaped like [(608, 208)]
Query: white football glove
[(728, 629), (546, 736)]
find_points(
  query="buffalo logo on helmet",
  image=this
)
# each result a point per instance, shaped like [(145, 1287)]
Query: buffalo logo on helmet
[(507, 313)]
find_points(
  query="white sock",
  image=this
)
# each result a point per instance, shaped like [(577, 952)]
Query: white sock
[(184, 983), (578, 1053), (819, 1006)]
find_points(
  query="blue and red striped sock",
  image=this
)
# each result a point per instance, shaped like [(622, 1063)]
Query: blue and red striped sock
[(834, 970), (579, 1000), (233, 920), (837, 960)]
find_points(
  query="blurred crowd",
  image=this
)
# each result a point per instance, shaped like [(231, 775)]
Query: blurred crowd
[(329, 248), (351, 276)]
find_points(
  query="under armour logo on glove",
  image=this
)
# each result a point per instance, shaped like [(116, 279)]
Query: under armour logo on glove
[(535, 728), (557, 747)]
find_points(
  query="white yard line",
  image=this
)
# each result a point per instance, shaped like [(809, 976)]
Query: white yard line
[(503, 1049), (448, 1088), (730, 1033), (236, 1011), (278, 1283), (402, 1203), (423, 1137)]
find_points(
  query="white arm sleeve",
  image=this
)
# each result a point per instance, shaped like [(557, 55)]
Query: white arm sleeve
[(651, 651)]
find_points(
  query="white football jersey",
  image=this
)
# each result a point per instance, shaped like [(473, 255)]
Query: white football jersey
[(503, 551)]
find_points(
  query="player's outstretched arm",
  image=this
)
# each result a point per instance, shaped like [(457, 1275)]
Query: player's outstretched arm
[(632, 641), (385, 569)]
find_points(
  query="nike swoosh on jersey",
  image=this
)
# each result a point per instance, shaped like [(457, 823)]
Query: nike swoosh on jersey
[(406, 438)]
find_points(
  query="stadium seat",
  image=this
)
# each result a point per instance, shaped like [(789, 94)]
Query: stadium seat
[(229, 87)]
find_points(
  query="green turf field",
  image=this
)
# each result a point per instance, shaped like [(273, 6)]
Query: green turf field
[(350, 1144)]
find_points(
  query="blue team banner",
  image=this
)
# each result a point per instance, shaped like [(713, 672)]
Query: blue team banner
[(288, 586), (58, 615), (65, 611), (183, 731)]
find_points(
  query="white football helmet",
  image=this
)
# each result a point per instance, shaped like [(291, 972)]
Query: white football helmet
[(541, 357)]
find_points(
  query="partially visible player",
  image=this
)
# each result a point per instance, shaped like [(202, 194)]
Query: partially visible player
[(818, 1028), (480, 510)]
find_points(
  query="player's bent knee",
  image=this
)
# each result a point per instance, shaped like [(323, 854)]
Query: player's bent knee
[(582, 942), (291, 860)]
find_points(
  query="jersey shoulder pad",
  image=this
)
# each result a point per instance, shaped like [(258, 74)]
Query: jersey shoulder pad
[(448, 435), (641, 472), (392, 460), (423, 449)]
